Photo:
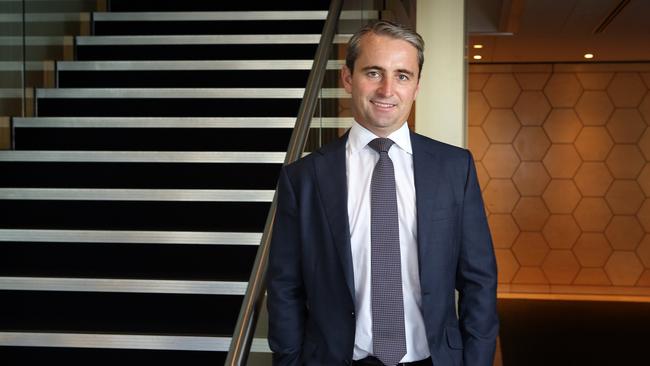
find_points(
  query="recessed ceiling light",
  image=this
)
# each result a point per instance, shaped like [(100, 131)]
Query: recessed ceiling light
[(477, 57), (588, 55), (478, 46)]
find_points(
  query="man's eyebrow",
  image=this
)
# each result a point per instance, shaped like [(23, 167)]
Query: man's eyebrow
[(399, 71), (373, 67)]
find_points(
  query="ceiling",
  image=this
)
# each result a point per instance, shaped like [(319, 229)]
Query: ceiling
[(559, 30)]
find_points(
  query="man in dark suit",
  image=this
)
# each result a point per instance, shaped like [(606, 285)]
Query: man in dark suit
[(380, 205)]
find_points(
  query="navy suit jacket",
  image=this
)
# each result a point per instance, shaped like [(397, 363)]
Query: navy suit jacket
[(310, 274)]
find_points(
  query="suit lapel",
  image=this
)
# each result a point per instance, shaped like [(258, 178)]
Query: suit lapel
[(329, 166), (427, 186)]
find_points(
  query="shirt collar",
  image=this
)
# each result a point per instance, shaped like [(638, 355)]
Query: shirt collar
[(359, 138)]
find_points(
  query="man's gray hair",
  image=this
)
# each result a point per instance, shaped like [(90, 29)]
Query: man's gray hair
[(384, 28)]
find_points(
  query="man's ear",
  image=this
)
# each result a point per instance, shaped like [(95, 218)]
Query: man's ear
[(346, 78)]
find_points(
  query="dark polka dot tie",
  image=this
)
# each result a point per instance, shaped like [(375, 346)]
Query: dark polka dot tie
[(388, 333)]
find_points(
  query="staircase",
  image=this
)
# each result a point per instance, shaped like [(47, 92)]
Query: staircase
[(133, 204)]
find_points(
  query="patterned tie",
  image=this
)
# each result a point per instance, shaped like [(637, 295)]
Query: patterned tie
[(388, 334)]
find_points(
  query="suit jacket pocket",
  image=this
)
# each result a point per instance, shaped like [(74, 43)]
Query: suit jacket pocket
[(454, 338)]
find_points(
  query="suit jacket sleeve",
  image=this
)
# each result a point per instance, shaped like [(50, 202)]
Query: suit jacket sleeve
[(286, 296), (476, 279)]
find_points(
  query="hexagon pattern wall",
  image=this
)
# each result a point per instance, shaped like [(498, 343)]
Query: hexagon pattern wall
[(563, 158)]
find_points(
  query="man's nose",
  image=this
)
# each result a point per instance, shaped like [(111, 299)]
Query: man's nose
[(385, 87)]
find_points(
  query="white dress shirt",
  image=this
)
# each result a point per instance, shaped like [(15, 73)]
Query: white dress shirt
[(360, 162)]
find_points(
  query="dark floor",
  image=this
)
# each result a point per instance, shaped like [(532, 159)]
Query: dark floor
[(549, 332)]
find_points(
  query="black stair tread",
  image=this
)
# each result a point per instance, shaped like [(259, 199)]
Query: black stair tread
[(184, 79), (197, 52), (139, 175), (105, 260), (13, 356), (134, 215), (158, 139), (187, 78), (142, 139), (53, 107), (108, 312)]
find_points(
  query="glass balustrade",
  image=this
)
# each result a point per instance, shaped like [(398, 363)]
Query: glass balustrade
[(34, 34)]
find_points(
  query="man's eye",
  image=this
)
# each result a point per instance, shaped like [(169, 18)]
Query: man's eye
[(373, 74), (403, 77)]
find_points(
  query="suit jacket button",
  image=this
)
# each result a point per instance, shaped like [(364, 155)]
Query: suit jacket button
[(353, 314)]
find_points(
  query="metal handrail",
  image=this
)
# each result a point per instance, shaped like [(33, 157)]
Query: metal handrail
[(250, 309)]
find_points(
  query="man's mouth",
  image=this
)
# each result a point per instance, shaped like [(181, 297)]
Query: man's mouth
[(383, 105)]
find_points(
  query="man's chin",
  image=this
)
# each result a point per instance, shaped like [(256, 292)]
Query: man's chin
[(386, 123)]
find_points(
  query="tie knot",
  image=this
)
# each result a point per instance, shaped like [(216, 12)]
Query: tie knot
[(381, 144)]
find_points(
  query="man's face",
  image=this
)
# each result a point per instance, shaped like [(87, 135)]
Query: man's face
[(384, 83)]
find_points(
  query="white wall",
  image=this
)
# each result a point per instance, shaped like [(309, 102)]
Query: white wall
[(440, 110)]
